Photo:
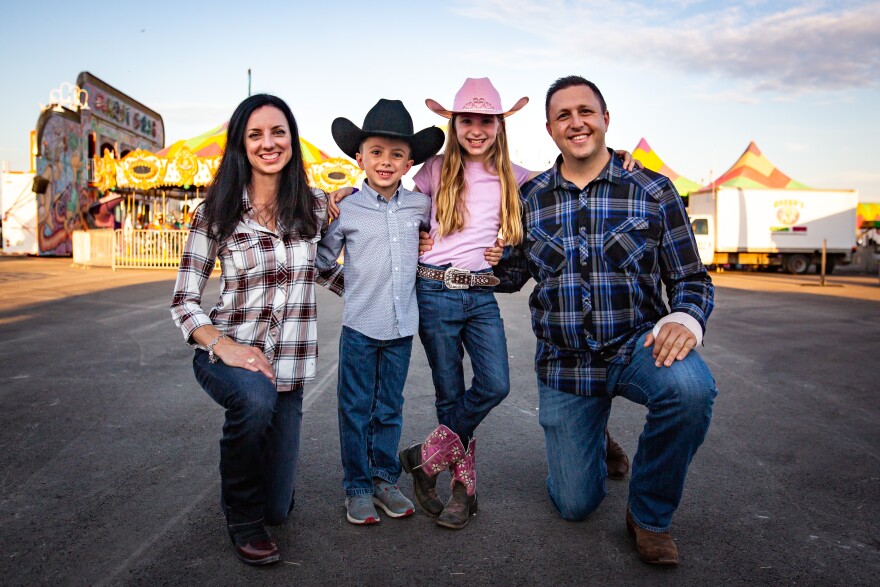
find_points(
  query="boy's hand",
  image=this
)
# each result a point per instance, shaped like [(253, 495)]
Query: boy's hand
[(426, 243), (337, 196), (493, 254), (628, 162)]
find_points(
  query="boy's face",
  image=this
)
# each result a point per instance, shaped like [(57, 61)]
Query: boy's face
[(385, 161)]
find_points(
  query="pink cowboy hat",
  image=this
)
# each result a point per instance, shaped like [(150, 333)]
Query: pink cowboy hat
[(476, 96)]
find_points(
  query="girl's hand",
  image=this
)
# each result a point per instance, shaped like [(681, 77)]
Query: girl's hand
[(337, 196), (628, 162), (425, 242), (493, 254), (244, 356)]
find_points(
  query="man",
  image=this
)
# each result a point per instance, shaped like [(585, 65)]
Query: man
[(601, 243)]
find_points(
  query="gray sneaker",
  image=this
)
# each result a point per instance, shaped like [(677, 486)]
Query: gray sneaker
[(359, 510), (389, 498)]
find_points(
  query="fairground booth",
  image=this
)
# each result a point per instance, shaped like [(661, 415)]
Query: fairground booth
[(81, 123), (108, 191)]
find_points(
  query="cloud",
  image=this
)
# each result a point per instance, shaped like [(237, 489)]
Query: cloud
[(772, 46)]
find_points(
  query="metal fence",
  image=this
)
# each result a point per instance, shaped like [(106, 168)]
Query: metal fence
[(121, 248)]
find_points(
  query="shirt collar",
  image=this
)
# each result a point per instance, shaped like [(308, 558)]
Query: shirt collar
[(365, 187), (612, 172)]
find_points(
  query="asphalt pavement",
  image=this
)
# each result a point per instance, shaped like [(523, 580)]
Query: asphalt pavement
[(109, 451)]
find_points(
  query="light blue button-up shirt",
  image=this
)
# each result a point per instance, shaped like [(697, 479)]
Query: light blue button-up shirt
[(381, 241)]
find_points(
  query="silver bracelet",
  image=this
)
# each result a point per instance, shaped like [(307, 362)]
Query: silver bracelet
[(212, 358)]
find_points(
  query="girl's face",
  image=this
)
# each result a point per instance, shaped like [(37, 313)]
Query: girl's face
[(476, 134), (267, 140)]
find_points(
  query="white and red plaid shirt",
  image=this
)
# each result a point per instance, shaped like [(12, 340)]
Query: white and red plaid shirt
[(267, 296)]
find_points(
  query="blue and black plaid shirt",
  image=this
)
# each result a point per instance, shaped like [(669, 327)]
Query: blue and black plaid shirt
[(598, 256)]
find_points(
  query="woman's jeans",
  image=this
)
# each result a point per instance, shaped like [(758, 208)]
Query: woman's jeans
[(259, 449), (372, 374), (679, 401), (450, 322)]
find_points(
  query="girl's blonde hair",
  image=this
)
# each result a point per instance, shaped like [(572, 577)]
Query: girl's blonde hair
[(450, 209)]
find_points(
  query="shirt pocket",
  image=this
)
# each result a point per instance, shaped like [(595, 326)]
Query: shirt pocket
[(547, 251), (630, 242), (245, 251)]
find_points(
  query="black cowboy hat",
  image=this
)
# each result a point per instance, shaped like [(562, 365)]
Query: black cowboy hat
[(388, 118)]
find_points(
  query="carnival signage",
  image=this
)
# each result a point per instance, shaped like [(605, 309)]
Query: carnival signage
[(117, 110)]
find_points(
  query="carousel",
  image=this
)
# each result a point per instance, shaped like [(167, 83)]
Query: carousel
[(150, 197)]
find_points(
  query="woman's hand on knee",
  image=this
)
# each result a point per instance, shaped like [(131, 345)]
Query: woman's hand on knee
[(247, 357)]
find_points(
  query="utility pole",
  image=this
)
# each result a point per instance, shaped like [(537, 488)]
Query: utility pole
[(249, 82)]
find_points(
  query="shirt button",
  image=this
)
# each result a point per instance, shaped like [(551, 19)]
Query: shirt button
[(396, 268), (583, 263), (394, 239)]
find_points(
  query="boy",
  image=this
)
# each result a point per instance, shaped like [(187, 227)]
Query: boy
[(379, 228)]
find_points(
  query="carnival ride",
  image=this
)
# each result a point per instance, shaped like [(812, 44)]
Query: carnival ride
[(186, 166)]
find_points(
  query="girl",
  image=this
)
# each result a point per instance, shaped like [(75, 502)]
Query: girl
[(257, 345)]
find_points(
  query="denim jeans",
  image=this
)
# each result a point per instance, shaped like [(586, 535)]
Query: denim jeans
[(259, 449), (679, 401), (450, 322), (372, 374)]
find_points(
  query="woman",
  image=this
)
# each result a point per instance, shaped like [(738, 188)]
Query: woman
[(257, 345)]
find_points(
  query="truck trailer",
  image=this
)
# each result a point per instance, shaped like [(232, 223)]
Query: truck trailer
[(782, 228)]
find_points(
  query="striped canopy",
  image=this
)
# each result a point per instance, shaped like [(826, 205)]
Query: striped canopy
[(652, 161), (212, 143), (754, 170)]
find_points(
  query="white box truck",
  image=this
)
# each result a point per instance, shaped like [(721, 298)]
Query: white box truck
[(774, 227)]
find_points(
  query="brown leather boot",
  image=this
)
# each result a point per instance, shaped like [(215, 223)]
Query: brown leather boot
[(459, 509), (424, 485), (462, 503), (426, 460), (616, 461), (654, 548)]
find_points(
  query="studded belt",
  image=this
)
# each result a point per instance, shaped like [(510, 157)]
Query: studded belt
[(454, 278)]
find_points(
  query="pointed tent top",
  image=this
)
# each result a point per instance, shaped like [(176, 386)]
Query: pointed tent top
[(754, 170), (212, 143), (652, 161)]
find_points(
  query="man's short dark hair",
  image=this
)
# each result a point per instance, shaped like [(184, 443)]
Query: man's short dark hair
[(568, 82)]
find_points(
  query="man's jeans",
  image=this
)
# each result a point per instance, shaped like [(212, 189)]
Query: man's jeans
[(259, 449), (450, 322), (679, 401), (372, 374)]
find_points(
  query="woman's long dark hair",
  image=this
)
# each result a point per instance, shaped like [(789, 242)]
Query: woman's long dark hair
[(294, 203)]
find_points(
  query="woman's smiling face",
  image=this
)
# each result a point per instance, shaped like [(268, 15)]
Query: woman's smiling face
[(267, 140)]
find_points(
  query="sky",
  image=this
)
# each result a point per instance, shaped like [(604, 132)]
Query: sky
[(699, 79)]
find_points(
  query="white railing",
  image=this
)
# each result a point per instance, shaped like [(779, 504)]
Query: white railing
[(141, 249)]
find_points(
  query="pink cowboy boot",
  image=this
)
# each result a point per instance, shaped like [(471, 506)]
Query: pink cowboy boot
[(426, 460), (462, 503)]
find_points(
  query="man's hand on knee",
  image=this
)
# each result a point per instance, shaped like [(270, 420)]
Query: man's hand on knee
[(673, 343)]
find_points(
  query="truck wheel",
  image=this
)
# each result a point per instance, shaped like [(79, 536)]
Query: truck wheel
[(797, 264)]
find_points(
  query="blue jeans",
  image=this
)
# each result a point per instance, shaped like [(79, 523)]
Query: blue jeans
[(450, 322), (679, 401), (259, 449), (372, 374)]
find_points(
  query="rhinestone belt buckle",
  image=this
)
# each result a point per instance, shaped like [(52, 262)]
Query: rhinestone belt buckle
[(449, 278)]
